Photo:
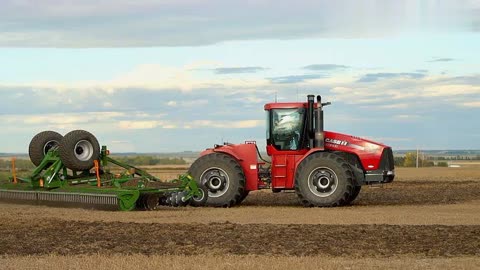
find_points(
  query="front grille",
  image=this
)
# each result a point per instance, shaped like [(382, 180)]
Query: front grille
[(387, 163)]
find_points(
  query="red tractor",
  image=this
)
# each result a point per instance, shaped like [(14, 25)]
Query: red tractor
[(324, 168)]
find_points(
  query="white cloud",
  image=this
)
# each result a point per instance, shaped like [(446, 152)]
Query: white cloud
[(226, 124), (61, 118), (395, 106), (471, 104), (152, 77), (138, 124), (172, 103), (450, 90), (407, 117)]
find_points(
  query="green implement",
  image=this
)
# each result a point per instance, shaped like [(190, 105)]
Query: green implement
[(54, 182)]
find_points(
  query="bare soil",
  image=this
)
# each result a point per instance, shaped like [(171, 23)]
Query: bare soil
[(427, 219), (396, 193), (233, 262), (67, 238)]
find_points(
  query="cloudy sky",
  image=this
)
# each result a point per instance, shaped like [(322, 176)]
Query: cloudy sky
[(157, 76)]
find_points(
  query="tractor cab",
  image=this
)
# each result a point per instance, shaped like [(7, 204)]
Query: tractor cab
[(294, 126), (286, 128)]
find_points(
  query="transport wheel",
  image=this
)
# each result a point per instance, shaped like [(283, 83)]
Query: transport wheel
[(78, 149), (223, 177), (200, 200), (41, 144), (324, 179), (354, 195)]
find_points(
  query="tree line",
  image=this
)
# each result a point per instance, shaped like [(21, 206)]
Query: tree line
[(151, 160), (410, 160), (27, 165)]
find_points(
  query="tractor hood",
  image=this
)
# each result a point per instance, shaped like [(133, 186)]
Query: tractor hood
[(373, 155)]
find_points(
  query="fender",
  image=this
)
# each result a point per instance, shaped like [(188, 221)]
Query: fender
[(245, 155)]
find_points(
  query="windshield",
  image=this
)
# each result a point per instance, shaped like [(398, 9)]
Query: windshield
[(286, 128)]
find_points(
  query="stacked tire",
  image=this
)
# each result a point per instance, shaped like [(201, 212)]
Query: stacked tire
[(77, 149)]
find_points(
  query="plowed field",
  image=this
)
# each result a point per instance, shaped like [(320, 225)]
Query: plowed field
[(430, 221)]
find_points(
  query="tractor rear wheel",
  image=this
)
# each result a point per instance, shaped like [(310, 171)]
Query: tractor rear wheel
[(78, 150), (41, 144), (222, 176), (354, 195), (244, 195), (324, 179)]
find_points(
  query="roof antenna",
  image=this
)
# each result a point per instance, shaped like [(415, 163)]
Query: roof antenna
[(275, 96)]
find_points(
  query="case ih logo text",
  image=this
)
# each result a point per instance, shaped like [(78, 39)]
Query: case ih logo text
[(338, 142)]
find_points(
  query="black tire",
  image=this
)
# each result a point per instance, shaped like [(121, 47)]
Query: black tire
[(78, 150), (324, 179), (151, 202), (41, 143), (197, 201), (173, 199), (223, 177), (180, 197), (354, 195), (244, 195)]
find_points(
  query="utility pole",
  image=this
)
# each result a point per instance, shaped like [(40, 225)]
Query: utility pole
[(417, 157)]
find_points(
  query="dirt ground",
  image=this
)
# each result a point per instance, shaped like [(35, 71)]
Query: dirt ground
[(426, 219)]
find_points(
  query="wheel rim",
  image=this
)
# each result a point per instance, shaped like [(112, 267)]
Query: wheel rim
[(199, 198), (322, 182), (83, 150), (216, 180), (49, 145)]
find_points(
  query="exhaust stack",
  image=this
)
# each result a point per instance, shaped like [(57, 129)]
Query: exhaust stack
[(310, 119), (319, 141)]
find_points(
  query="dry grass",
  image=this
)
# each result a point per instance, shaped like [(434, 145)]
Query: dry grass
[(232, 262)]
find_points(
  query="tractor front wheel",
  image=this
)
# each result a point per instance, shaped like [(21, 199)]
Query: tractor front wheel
[(324, 179), (78, 150), (222, 176)]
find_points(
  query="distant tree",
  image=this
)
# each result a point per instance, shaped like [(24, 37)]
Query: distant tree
[(410, 159), (426, 163), (399, 161), (442, 164), (151, 160)]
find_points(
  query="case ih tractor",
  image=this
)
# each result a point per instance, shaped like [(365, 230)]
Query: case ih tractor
[(324, 168)]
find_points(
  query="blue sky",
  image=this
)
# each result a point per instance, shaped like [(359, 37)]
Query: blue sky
[(182, 75)]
